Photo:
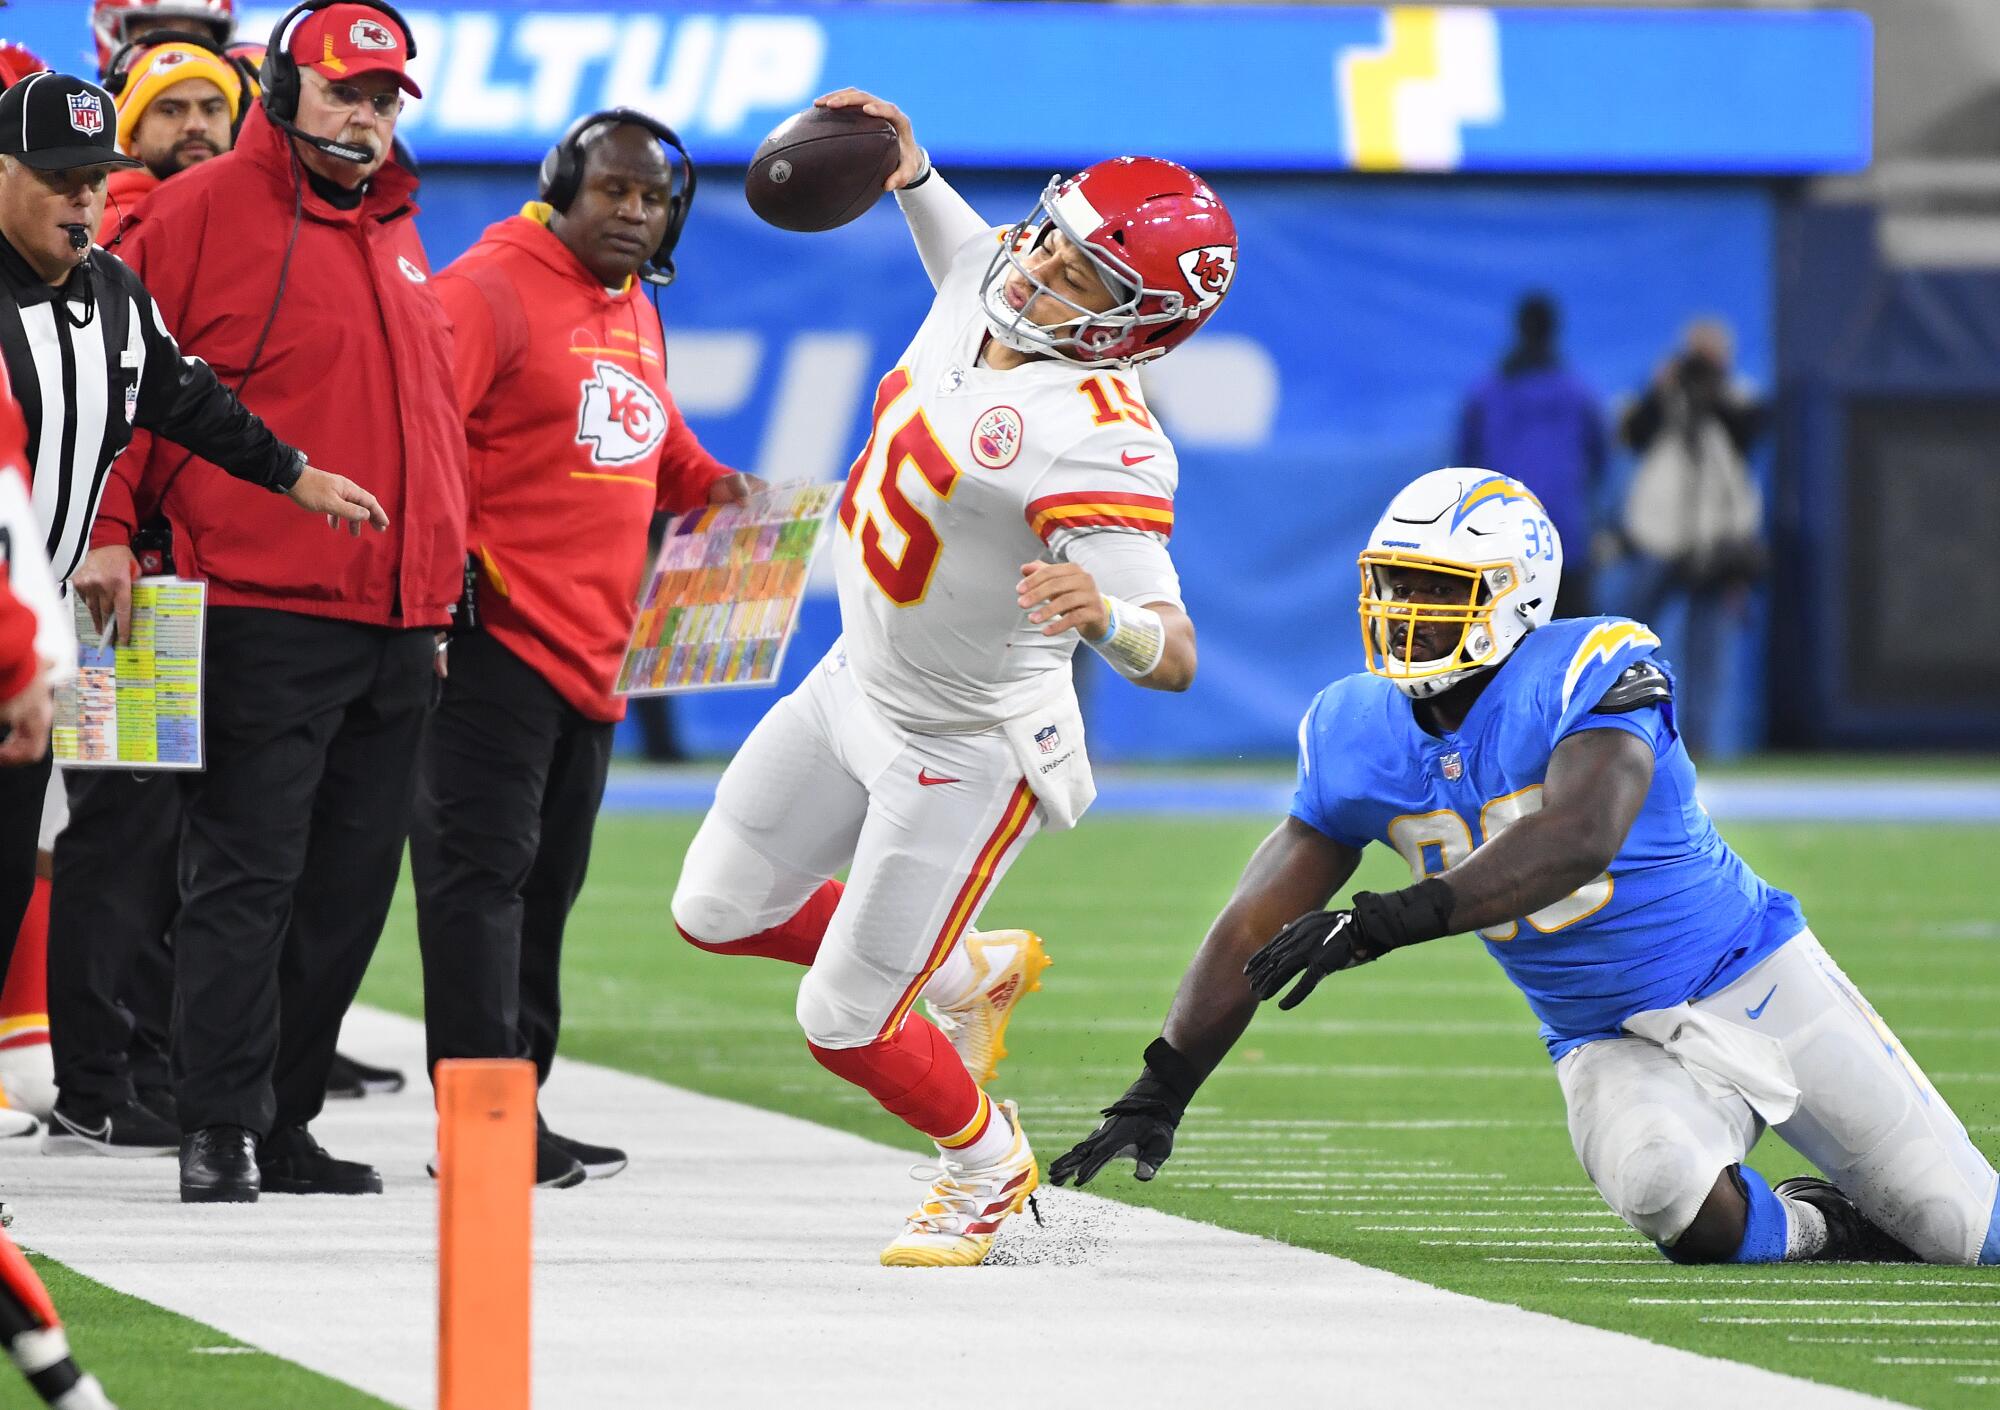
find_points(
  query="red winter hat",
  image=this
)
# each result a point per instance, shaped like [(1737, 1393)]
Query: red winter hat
[(345, 41)]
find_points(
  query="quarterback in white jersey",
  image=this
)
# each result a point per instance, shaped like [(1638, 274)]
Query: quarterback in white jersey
[(1014, 497)]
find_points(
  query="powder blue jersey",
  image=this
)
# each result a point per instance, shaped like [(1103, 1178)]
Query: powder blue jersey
[(1678, 915)]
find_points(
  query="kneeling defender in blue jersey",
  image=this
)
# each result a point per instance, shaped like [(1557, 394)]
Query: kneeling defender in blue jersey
[(1531, 774)]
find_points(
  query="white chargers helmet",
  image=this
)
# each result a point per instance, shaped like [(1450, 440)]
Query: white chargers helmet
[(1481, 529)]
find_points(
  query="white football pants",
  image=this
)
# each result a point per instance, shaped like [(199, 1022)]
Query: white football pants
[(1654, 1129), (927, 824)]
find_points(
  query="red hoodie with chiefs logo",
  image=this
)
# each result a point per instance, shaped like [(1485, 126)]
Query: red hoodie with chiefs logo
[(573, 442)]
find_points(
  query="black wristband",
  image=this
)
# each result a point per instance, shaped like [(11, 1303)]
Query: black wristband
[(923, 175), (1165, 1064), (288, 474), (1407, 917)]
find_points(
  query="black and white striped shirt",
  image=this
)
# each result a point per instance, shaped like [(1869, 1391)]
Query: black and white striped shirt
[(89, 361)]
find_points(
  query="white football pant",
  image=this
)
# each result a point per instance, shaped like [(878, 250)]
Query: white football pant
[(1653, 1132), (929, 824)]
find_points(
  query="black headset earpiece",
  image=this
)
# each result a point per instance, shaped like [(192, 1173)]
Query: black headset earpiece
[(118, 69), (562, 177), (279, 77)]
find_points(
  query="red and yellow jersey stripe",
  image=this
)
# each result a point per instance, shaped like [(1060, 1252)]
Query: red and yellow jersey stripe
[(1091, 509)]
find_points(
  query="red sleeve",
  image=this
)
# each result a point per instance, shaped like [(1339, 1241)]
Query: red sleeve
[(686, 467), (474, 339), (18, 665), (133, 489)]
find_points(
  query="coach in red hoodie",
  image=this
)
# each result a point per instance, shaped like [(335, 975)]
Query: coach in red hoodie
[(574, 443), (292, 266)]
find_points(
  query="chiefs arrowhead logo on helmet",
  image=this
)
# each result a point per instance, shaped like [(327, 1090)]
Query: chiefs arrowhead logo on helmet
[(619, 417), (1208, 271)]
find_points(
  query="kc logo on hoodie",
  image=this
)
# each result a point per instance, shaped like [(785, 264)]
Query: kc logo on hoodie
[(618, 416)]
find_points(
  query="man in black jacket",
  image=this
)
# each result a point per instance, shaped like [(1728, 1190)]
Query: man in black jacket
[(89, 358)]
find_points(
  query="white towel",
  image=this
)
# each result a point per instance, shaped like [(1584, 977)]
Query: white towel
[(1724, 1057)]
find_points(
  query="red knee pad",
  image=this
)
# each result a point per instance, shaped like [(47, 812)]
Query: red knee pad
[(796, 941), (916, 1075), (21, 1285)]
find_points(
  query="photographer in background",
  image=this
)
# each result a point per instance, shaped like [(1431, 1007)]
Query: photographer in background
[(1693, 512), (575, 442)]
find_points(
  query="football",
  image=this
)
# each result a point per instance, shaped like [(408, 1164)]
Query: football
[(821, 168)]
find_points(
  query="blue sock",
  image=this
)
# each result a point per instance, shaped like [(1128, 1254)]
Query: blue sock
[(1766, 1231), (1766, 1228), (1989, 1252)]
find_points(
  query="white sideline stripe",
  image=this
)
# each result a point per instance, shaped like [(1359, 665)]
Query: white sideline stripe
[(1735, 1274), (1896, 1341), (1459, 1228), (1848, 1321), (1932, 1361), (1913, 1304), (1521, 1243), (733, 1265)]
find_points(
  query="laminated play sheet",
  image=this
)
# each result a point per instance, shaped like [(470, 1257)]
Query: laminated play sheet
[(722, 600), (137, 704)]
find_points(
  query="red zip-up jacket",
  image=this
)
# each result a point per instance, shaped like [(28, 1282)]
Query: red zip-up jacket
[(573, 442), (19, 665), (355, 371)]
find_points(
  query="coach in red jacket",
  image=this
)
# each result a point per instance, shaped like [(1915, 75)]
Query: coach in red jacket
[(574, 443), (295, 271)]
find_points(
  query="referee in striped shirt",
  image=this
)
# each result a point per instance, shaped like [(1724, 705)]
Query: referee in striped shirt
[(89, 358)]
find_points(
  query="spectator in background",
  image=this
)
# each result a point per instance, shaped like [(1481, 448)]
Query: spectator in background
[(178, 103), (17, 61), (295, 267), (1538, 422), (574, 444), (118, 22), (1693, 512)]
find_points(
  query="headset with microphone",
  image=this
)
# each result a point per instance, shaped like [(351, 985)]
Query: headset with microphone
[(279, 79), (562, 179)]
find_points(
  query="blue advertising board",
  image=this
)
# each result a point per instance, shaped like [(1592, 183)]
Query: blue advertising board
[(1355, 88)]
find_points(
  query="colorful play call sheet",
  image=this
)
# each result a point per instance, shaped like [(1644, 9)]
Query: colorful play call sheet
[(137, 704), (721, 602)]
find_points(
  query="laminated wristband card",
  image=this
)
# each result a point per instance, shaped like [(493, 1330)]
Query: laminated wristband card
[(722, 599), (137, 704)]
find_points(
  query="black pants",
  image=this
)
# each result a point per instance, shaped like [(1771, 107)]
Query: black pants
[(511, 780), (111, 977), (21, 790), (289, 855)]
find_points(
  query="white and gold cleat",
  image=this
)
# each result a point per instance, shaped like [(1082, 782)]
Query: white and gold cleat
[(964, 1208), (1006, 964)]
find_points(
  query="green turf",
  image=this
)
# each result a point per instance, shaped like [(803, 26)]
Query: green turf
[(1434, 1035), (152, 1359)]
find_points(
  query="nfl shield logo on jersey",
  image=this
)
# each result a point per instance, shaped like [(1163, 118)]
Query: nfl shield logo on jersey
[(86, 113), (1047, 739), (1453, 767)]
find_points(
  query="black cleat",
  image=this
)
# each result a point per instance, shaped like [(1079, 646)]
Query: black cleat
[(293, 1163), (128, 1130), (219, 1166), (598, 1162), (555, 1167), (1850, 1237), (350, 1080)]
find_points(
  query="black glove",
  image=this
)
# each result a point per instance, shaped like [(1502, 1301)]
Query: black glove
[(1139, 1124), (1321, 942)]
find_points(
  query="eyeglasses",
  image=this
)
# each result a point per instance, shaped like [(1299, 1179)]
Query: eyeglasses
[(386, 104)]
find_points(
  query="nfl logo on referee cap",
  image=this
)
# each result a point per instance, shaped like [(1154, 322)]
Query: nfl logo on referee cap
[(86, 113), (1048, 739)]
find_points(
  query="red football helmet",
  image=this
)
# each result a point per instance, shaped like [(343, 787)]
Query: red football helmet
[(109, 18), (17, 61), (1160, 239)]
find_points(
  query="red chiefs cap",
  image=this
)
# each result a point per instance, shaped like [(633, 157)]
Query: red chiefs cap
[(345, 41)]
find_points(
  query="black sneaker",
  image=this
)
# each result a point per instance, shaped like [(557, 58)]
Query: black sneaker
[(219, 1166), (351, 1080), (1850, 1237), (129, 1130), (293, 1163), (598, 1162), (555, 1168)]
